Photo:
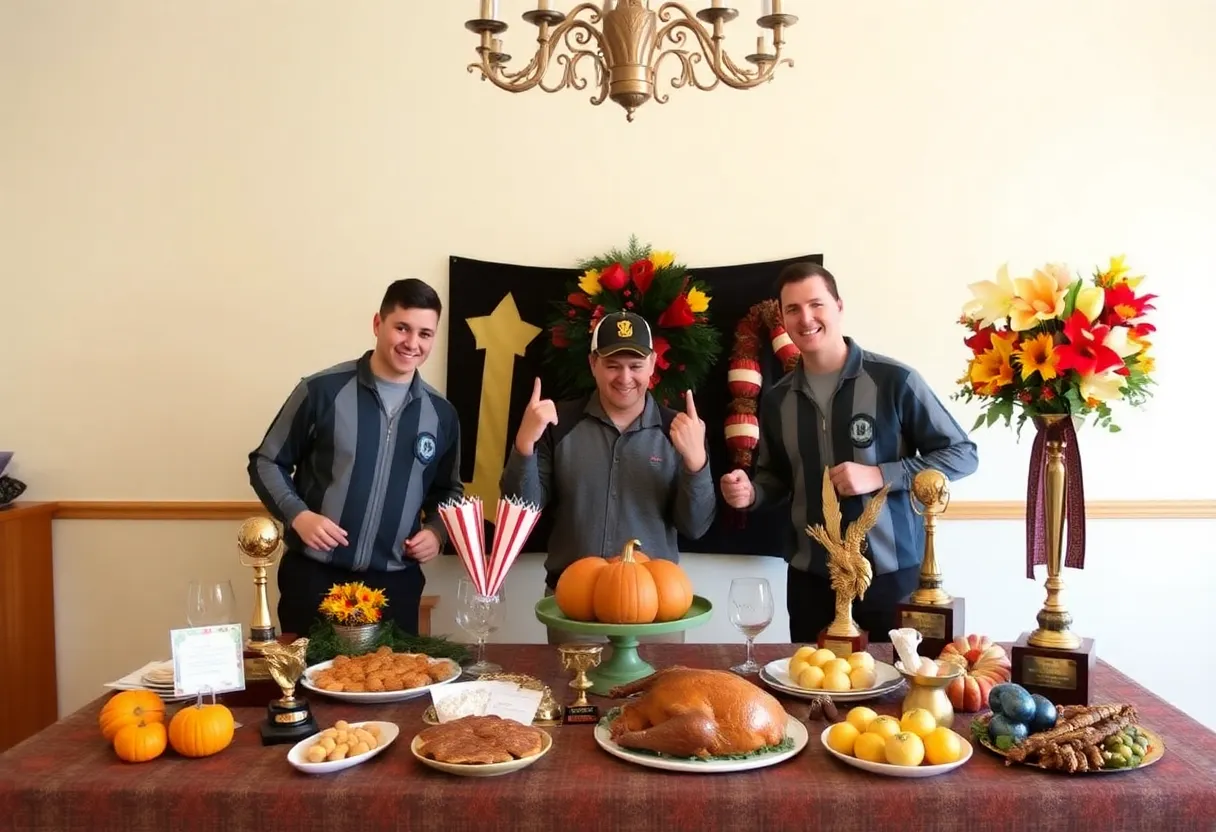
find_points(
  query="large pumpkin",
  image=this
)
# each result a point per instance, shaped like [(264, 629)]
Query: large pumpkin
[(673, 587), (138, 742), (986, 666), (201, 730), (575, 591), (130, 707), (625, 592)]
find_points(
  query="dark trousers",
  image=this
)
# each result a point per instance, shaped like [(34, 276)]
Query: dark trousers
[(811, 603), (304, 582)]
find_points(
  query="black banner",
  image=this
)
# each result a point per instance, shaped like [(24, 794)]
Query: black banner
[(478, 288)]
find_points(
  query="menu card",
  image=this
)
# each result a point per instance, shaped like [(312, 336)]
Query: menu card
[(495, 698), (208, 659)]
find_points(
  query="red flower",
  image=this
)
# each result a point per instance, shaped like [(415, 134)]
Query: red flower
[(642, 273), (981, 341), (1085, 351), (1121, 305), (654, 380), (614, 278), (578, 299), (558, 336), (661, 346), (678, 314)]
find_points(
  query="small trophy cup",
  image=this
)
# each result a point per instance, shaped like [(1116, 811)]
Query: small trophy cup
[(930, 609), (288, 719), (580, 658), (260, 543)]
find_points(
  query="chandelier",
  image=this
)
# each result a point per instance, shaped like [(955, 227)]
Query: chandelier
[(624, 42)]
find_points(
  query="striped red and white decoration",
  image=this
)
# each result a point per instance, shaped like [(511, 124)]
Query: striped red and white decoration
[(743, 378)]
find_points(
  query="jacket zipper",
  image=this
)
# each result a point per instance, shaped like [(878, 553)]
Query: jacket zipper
[(383, 457)]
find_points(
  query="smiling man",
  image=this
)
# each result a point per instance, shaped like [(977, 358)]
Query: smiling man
[(868, 419), (354, 458), (614, 465)]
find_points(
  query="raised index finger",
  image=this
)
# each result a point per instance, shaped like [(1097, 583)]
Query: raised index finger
[(690, 406), (536, 390)]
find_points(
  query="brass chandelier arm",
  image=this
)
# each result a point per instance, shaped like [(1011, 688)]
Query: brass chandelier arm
[(574, 35), (723, 68)]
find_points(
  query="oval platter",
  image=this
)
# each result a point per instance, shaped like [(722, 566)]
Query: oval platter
[(1156, 749)]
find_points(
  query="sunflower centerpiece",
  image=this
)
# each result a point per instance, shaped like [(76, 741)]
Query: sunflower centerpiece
[(355, 611)]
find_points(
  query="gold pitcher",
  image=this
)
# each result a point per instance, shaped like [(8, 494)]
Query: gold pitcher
[(929, 692)]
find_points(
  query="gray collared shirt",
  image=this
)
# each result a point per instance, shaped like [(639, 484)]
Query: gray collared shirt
[(605, 487)]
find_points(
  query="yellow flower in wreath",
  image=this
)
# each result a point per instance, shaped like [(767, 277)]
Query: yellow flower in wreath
[(698, 301), (590, 282)]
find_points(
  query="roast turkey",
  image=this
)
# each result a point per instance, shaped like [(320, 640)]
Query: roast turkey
[(687, 712)]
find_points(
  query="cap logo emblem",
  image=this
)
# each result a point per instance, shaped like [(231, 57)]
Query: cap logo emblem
[(624, 329)]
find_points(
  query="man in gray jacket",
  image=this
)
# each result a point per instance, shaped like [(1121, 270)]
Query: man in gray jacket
[(613, 466)]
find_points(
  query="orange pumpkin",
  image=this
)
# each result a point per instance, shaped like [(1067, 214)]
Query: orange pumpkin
[(130, 707), (673, 587), (575, 592), (986, 665), (138, 742), (625, 592), (638, 555), (201, 730)]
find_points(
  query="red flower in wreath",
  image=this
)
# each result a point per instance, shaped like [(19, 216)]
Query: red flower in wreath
[(678, 314), (642, 274), (614, 278), (661, 346)]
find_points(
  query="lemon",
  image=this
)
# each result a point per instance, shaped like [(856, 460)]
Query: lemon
[(836, 681), (810, 678), (905, 749), (943, 746), (862, 678), (861, 659), (841, 737), (870, 747), (918, 721), (884, 726), (861, 717), (821, 657)]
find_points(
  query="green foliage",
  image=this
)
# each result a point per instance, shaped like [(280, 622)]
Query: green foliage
[(324, 644)]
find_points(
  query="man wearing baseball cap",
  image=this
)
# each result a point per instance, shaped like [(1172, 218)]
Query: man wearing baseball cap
[(614, 465)]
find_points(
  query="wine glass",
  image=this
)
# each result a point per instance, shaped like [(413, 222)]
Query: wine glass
[(479, 615), (751, 611), (210, 603)]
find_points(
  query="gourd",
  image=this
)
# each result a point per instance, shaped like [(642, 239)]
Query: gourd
[(985, 665), (130, 707), (575, 591), (139, 742), (201, 730), (673, 587), (625, 591)]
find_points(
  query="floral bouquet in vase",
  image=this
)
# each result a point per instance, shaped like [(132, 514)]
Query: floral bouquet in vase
[(1057, 350), (354, 609)]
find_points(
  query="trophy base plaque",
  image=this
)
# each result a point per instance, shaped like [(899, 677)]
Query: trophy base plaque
[(288, 721), (1062, 675), (842, 646), (938, 624), (580, 715)]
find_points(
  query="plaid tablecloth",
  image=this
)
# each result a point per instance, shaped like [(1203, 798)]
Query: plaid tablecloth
[(67, 777)]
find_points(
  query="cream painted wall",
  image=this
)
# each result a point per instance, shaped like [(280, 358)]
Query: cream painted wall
[(203, 202)]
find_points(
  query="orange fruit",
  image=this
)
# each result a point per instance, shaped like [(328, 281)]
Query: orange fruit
[(860, 718), (884, 726), (870, 747), (905, 749), (943, 746), (841, 737), (919, 721)]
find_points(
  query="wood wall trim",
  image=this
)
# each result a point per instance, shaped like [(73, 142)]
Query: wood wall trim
[(962, 510)]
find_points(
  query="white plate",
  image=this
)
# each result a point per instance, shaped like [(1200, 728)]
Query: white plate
[(484, 769), (372, 698), (793, 728), (896, 771), (388, 733), (776, 674)]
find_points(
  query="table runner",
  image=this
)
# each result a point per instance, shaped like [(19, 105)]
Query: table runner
[(67, 777)]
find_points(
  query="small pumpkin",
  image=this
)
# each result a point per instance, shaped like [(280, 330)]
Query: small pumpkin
[(575, 591), (138, 742), (130, 707), (673, 587), (625, 592), (201, 730)]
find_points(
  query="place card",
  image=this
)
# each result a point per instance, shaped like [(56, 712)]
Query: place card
[(497, 698), (208, 659)]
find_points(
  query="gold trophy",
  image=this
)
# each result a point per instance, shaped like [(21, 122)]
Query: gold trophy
[(848, 568), (288, 719), (930, 609), (260, 543), (580, 658)]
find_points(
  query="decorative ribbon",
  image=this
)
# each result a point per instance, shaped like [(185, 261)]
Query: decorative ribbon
[(1073, 516)]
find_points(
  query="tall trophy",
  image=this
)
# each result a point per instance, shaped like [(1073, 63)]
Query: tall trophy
[(260, 543), (930, 609), (288, 719), (848, 568), (580, 658)]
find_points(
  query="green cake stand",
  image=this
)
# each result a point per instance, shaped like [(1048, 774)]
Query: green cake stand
[(621, 663)]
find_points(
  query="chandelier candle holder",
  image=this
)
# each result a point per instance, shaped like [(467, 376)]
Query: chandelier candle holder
[(625, 41), (464, 520)]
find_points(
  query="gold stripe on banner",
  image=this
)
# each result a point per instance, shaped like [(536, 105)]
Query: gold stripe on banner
[(972, 510)]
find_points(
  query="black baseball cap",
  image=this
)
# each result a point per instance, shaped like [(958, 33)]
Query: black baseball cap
[(622, 332)]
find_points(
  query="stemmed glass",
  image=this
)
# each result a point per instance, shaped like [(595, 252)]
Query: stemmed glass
[(479, 615), (751, 611), (210, 603)]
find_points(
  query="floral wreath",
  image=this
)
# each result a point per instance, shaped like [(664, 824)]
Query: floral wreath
[(744, 379), (653, 285)]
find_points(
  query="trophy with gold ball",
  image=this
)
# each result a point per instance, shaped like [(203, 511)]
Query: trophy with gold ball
[(930, 609), (260, 543), (288, 719), (580, 658)]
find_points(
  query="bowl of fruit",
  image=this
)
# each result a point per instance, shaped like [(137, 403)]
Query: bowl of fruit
[(913, 745), (812, 672)]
